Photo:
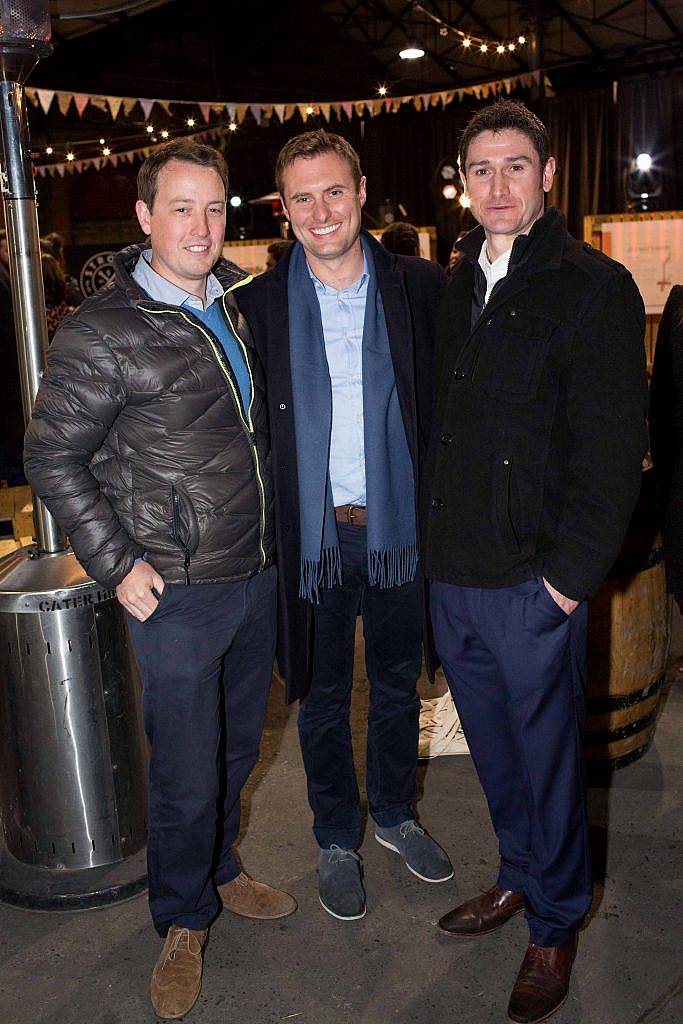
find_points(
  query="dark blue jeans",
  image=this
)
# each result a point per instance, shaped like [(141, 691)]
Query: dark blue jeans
[(392, 623), (205, 657), (515, 663)]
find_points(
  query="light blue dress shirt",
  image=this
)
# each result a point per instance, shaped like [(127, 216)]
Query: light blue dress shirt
[(343, 316)]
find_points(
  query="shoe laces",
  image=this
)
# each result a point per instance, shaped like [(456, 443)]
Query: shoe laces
[(339, 854), (411, 828), (182, 936)]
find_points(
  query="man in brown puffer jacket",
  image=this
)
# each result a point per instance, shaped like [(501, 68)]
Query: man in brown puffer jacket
[(149, 445)]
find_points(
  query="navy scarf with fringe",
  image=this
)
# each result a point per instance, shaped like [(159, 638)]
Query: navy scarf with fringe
[(390, 488)]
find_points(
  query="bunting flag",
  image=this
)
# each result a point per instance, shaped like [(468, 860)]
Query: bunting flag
[(261, 112)]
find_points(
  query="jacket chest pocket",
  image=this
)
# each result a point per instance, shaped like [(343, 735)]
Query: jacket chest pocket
[(513, 354)]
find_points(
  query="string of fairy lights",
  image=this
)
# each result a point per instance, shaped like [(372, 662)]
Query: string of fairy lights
[(471, 42)]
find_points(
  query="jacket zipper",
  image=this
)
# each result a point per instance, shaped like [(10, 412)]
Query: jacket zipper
[(247, 425), (176, 522)]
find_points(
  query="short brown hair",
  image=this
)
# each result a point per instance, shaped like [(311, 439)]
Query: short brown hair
[(180, 149), (401, 238), (499, 117), (311, 144)]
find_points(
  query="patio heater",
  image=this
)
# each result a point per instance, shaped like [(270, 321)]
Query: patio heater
[(72, 750)]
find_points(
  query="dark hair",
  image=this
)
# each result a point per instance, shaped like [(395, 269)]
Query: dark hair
[(402, 239), (187, 152), (55, 245), (54, 280), (499, 117), (311, 144), (279, 249)]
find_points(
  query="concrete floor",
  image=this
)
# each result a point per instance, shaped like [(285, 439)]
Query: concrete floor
[(393, 967)]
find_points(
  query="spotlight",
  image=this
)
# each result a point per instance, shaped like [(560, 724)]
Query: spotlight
[(101, 142), (483, 48), (500, 49), (643, 161), (70, 157), (164, 134), (232, 126), (235, 201), (310, 109), (521, 40), (449, 191), (150, 129), (106, 151), (511, 47), (411, 51), (382, 90), (49, 150), (190, 122), (467, 43), (448, 172), (465, 201)]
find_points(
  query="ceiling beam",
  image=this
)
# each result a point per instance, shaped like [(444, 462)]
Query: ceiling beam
[(384, 12), (667, 19), (559, 10)]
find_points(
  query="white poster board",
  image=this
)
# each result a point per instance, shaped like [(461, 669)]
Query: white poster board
[(251, 256), (652, 250)]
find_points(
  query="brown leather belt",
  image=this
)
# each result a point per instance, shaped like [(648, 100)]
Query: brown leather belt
[(353, 515)]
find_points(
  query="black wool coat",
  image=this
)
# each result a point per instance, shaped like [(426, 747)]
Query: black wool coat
[(535, 461), (666, 433), (410, 288)]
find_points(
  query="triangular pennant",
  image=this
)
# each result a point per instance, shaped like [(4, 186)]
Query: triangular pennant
[(302, 108), (348, 109), (52, 170), (231, 110), (64, 100), (206, 111), (114, 159), (325, 110), (128, 103), (280, 111), (114, 103), (165, 104), (32, 96), (96, 162), (81, 99), (241, 112), (45, 96), (256, 110), (99, 101), (70, 166), (42, 170), (147, 107), (218, 108)]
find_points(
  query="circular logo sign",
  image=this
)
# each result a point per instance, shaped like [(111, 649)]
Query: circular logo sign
[(96, 273)]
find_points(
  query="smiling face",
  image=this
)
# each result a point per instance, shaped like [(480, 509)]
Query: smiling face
[(506, 185), (186, 224), (323, 206)]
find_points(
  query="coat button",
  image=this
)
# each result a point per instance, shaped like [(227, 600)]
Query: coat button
[(446, 439), (282, 406), (437, 504), (489, 322), (459, 374), (284, 466), (513, 312)]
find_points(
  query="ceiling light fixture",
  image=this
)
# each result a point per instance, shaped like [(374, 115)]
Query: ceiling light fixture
[(411, 51)]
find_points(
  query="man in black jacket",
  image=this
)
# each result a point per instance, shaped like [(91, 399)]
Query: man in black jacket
[(345, 332), (149, 445), (533, 471)]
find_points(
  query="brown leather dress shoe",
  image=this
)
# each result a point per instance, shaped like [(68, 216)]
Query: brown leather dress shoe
[(177, 977), (483, 914), (542, 983), (247, 898)]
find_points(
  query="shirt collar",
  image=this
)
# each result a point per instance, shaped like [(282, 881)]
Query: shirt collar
[(354, 288), (496, 269), (162, 290)]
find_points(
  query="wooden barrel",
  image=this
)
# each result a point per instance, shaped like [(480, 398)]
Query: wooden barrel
[(629, 631)]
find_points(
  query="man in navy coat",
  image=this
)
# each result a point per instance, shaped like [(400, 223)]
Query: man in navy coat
[(344, 330)]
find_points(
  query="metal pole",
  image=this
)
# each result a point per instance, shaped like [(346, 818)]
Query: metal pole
[(28, 297)]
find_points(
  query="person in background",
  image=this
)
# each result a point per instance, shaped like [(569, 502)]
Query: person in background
[(345, 331), (401, 238), (54, 283), (456, 255), (55, 241), (666, 435), (276, 250), (533, 472)]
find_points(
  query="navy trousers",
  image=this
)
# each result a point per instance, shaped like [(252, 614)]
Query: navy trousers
[(515, 663), (205, 657), (392, 623)]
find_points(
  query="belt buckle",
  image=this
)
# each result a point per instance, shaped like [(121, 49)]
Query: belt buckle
[(350, 514)]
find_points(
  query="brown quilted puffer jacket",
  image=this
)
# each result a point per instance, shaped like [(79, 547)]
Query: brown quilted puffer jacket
[(138, 444)]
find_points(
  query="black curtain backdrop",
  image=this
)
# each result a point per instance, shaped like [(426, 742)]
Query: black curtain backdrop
[(594, 136)]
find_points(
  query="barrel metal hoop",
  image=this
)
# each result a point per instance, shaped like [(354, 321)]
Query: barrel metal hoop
[(603, 705), (613, 735)]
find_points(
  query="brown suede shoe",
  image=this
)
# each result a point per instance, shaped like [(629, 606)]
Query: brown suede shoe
[(542, 983), (483, 914), (177, 977), (247, 898)]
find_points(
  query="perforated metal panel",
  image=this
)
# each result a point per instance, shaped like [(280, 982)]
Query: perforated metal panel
[(25, 19)]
